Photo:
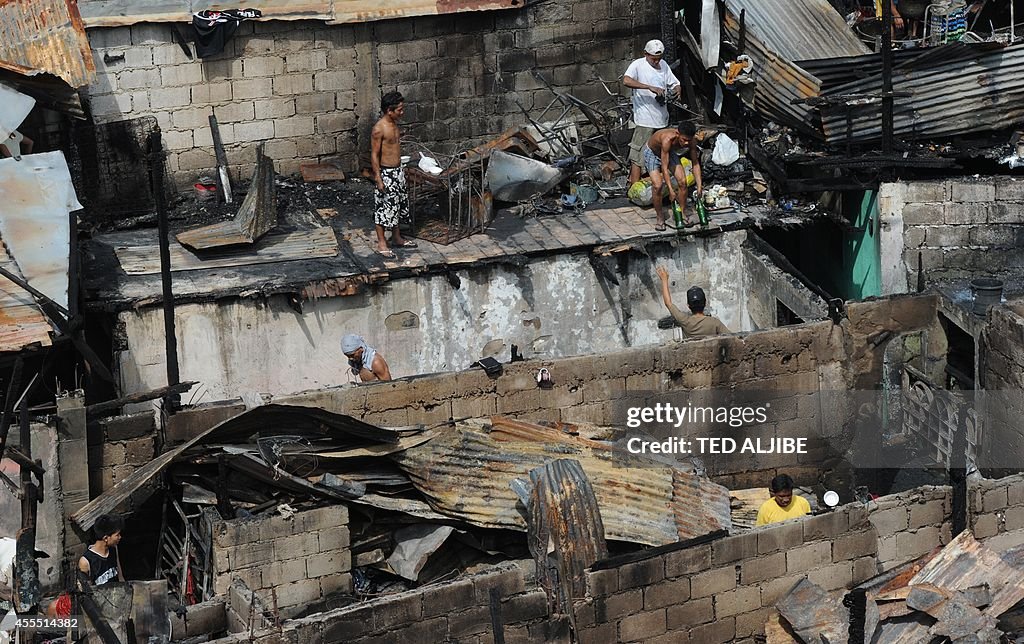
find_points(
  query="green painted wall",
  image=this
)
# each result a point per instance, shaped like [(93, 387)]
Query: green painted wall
[(861, 248)]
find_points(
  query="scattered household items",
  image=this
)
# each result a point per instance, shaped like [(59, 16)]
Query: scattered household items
[(726, 150), (512, 177), (429, 165), (256, 216)]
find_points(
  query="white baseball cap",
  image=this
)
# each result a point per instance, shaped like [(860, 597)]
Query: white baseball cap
[(654, 47)]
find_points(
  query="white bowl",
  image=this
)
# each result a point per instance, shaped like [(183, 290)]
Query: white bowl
[(831, 499)]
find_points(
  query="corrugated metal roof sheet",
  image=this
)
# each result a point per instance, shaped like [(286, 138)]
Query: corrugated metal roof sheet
[(798, 29), (45, 36), (114, 13), (466, 473), (37, 196), (778, 83), (957, 96), (21, 322)]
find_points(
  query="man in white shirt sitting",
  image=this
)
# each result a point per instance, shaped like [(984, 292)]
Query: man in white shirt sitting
[(653, 85)]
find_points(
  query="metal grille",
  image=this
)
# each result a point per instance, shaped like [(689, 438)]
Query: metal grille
[(933, 415), (109, 166)]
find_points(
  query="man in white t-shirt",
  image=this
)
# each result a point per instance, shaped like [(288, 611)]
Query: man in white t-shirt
[(653, 84)]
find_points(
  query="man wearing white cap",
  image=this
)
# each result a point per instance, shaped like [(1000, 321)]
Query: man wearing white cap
[(652, 82), (363, 360)]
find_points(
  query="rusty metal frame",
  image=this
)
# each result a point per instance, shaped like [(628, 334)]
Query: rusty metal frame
[(45, 36)]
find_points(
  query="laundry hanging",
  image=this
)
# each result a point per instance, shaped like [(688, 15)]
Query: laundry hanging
[(215, 28)]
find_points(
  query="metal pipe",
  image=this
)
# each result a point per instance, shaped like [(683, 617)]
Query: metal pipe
[(171, 342), (887, 100)]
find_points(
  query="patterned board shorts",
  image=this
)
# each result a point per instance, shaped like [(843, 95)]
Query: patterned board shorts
[(653, 161), (392, 204)]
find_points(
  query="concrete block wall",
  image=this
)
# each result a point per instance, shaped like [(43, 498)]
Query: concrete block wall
[(117, 447), (1002, 375), (312, 90), (962, 228), (996, 508), (301, 558), (723, 591)]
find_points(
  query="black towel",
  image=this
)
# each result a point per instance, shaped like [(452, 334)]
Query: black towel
[(215, 28)]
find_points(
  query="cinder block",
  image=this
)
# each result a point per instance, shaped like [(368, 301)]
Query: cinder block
[(295, 546), (722, 630), (825, 526), (336, 538), (642, 626), (180, 75), (230, 534), (298, 592), (443, 598), (854, 545), (781, 537), (257, 66), (808, 557), (328, 563), (395, 612), (602, 582), (468, 622), (863, 569), (277, 527), (986, 525), (972, 192), (963, 214), (925, 191), (599, 634), (691, 613), (930, 513), (758, 569), (1013, 518), (833, 576), (1009, 189), (282, 572), (259, 553), (712, 582), (666, 593), (619, 605), (752, 624), (731, 549), (641, 573), (275, 108), (509, 582), (335, 122), (922, 214), (254, 131), (890, 521), (336, 583), (334, 80), (774, 590), (525, 607), (737, 601), (995, 499), (251, 88), (915, 544)]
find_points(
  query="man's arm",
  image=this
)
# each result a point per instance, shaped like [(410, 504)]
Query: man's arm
[(632, 83), (666, 296), (380, 368), (666, 169), (897, 19), (117, 556), (376, 141)]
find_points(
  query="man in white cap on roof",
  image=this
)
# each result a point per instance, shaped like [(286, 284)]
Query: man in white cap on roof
[(653, 84), (363, 360)]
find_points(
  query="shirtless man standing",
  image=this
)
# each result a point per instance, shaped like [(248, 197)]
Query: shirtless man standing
[(391, 199), (662, 157)]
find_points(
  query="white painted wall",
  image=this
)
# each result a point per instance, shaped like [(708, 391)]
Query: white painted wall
[(891, 199), (556, 306)]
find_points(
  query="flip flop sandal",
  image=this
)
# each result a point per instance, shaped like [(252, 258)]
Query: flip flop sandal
[(405, 244), (659, 227), (386, 254)]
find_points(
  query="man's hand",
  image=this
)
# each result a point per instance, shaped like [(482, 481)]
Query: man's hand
[(380, 185), (658, 91), (662, 273)]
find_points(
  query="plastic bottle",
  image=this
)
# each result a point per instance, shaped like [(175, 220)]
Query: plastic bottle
[(702, 213)]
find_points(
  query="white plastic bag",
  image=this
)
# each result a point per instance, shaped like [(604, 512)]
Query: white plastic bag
[(727, 151)]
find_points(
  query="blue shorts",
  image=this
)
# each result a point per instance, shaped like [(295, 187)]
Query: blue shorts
[(653, 161)]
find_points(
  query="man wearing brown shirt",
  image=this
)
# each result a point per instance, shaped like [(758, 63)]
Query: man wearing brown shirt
[(696, 324)]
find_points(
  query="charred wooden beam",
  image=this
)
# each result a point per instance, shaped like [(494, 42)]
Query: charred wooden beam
[(95, 616), (26, 570), (143, 396), (5, 419)]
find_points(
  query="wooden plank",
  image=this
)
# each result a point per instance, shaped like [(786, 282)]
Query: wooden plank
[(561, 229), (581, 230), (274, 247), (613, 227), (512, 228), (592, 226), (539, 234), (491, 247), (463, 251), (501, 231)]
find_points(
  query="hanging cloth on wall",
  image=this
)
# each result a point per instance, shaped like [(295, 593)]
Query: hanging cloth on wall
[(215, 28)]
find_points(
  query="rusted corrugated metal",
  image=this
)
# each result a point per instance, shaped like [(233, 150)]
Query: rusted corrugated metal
[(21, 322), (778, 82), (115, 13), (964, 563), (952, 97), (467, 473), (45, 36), (798, 29)]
